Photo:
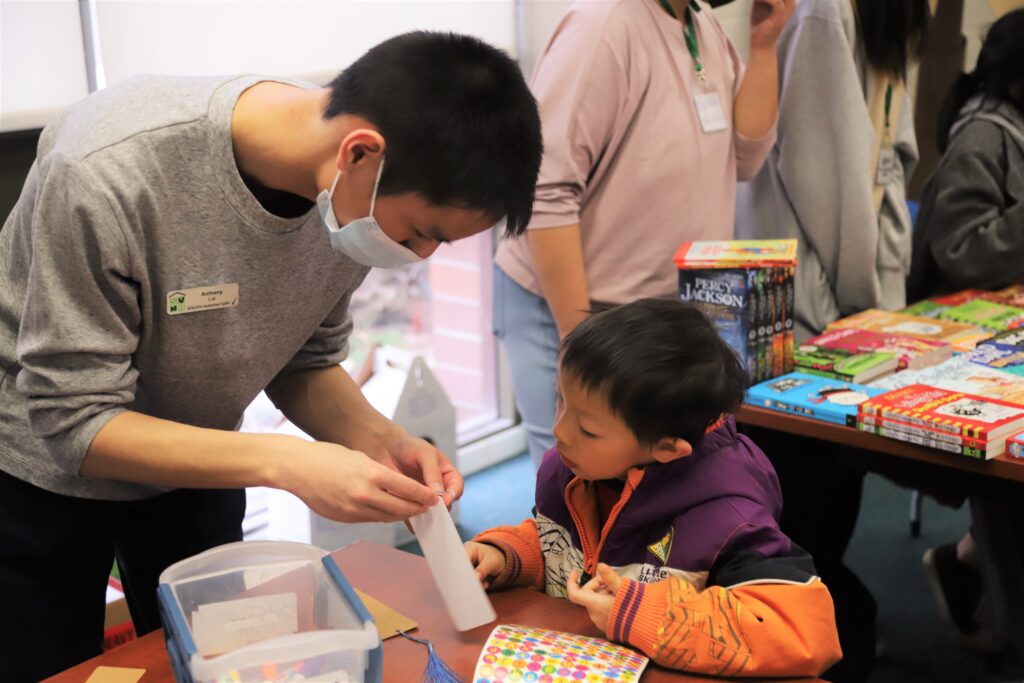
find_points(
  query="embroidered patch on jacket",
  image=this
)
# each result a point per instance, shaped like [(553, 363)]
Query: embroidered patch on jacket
[(662, 548)]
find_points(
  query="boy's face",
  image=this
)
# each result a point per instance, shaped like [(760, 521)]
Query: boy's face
[(592, 440)]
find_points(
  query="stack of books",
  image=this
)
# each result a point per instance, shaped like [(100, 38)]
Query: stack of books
[(819, 398), (1005, 352), (910, 352), (961, 336), (961, 373), (1015, 445), (947, 420), (991, 316), (935, 306), (746, 288)]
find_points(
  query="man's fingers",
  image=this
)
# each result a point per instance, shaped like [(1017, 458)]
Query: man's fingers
[(430, 469), (396, 507), (453, 483), (401, 486)]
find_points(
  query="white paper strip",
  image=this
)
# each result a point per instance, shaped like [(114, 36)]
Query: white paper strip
[(460, 589)]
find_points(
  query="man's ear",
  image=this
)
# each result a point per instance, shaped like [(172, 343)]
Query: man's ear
[(360, 146), (669, 449)]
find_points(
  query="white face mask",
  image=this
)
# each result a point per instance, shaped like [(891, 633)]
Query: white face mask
[(362, 240)]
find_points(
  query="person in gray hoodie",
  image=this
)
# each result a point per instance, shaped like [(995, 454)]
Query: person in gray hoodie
[(970, 234), (836, 182), (970, 231)]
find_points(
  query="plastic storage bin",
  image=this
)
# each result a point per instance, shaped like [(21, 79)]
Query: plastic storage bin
[(266, 611)]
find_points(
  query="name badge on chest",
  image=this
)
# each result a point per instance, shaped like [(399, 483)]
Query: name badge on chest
[(199, 299), (709, 109)]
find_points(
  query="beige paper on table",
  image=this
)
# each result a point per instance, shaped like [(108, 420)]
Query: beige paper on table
[(389, 621), (114, 674)]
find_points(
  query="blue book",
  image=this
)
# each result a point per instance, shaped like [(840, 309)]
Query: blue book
[(820, 398), (729, 298), (1005, 352)]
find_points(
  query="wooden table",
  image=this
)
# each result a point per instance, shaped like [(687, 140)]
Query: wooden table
[(402, 581), (991, 483), (1003, 467)]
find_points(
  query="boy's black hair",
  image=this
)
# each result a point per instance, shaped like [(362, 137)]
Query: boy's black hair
[(661, 366), (998, 76), (460, 124)]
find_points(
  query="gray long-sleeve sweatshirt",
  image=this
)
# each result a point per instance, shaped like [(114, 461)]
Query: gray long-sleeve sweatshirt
[(133, 202), (817, 184), (970, 232)]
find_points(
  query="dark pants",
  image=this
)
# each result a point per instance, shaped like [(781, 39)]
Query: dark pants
[(56, 553), (821, 493)]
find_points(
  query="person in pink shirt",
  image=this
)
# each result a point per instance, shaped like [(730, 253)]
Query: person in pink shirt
[(649, 119)]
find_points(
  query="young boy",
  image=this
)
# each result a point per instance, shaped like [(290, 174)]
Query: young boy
[(655, 515)]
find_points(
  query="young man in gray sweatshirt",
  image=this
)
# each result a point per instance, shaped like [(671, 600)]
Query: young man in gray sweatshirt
[(182, 244)]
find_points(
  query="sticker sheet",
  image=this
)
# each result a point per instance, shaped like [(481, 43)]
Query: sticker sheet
[(521, 654)]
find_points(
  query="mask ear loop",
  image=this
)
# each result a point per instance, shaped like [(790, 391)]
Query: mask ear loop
[(376, 184)]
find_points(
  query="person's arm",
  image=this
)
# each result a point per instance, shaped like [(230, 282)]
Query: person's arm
[(976, 239), (524, 560), (756, 108), (327, 404), (777, 620), (824, 125), (580, 86), (558, 261), (79, 328), (334, 481)]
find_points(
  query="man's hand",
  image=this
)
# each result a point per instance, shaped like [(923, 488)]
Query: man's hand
[(767, 19), (420, 460), (488, 561), (347, 486), (597, 596)]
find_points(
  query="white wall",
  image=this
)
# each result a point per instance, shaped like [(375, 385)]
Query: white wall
[(311, 39), (42, 63), (42, 69), (978, 17)]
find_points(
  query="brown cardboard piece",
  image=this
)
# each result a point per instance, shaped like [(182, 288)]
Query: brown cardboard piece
[(389, 622), (114, 674)]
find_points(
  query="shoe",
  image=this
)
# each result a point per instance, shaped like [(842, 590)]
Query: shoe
[(958, 591)]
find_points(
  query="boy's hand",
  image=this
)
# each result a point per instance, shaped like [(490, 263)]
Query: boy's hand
[(597, 596), (487, 560)]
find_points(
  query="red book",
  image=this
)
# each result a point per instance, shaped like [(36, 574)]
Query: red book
[(1015, 444), (932, 438), (912, 352), (976, 417)]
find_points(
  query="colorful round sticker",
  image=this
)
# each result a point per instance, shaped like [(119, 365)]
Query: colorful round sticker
[(521, 654)]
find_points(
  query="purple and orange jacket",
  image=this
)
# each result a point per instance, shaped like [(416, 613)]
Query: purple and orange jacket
[(712, 585)]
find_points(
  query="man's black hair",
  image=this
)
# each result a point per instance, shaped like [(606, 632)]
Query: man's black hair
[(661, 366), (460, 124)]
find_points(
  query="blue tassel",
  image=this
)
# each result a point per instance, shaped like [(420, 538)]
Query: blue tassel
[(437, 671)]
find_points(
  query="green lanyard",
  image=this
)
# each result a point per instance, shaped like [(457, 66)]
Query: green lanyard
[(690, 35), (888, 108)]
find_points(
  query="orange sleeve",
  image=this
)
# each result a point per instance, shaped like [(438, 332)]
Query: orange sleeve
[(524, 561), (757, 629)]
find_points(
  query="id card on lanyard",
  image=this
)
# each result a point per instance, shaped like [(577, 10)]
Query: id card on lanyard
[(708, 104), (886, 153)]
